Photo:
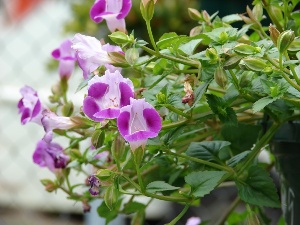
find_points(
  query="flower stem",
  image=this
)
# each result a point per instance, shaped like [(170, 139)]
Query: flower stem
[(151, 35), (177, 218)]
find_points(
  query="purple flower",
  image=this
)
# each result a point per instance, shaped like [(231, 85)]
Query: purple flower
[(106, 95), (49, 154), (66, 56), (113, 11), (91, 54), (137, 122), (95, 185), (193, 221), (52, 121), (30, 106)]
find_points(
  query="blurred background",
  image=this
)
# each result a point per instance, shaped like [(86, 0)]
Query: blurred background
[(29, 31)]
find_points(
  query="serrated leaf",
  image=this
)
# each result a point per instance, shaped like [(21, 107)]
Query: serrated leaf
[(203, 182), (207, 150), (158, 186), (237, 158), (258, 188), (262, 103)]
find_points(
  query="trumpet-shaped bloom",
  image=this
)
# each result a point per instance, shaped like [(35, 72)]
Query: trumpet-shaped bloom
[(106, 95), (91, 53), (137, 122), (113, 11), (49, 154), (52, 121), (30, 106), (66, 56)]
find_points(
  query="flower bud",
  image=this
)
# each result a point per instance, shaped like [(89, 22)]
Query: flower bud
[(67, 109), (246, 78), (274, 34), (284, 40), (206, 16), (111, 197), (221, 77), (131, 56), (258, 11), (212, 54), (161, 98), (98, 138), (194, 14), (119, 38), (147, 9), (244, 49), (118, 59), (49, 185), (104, 174), (254, 64), (118, 148), (223, 37), (232, 61), (195, 31)]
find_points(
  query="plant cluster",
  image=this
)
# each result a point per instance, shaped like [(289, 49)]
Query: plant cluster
[(176, 118)]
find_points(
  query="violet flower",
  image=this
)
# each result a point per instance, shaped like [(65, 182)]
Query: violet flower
[(91, 53), (30, 106), (52, 121), (106, 95), (49, 154), (113, 11), (137, 122), (95, 185), (193, 221), (66, 56)]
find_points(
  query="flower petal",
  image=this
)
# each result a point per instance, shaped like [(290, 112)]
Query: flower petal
[(56, 53), (153, 120), (126, 94), (97, 90), (140, 135), (126, 6), (123, 123), (109, 113), (97, 10), (66, 68), (114, 24), (90, 107)]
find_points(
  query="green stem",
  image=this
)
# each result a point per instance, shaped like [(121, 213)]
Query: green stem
[(175, 124), (178, 111), (292, 67), (259, 145), (177, 218), (151, 35), (182, 61), (225, 215), (140, 179), (132, 182), (234, 78), (167, 198), (213, 165)]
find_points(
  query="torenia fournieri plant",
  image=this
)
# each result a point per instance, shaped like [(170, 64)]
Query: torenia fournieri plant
[(175, 118)]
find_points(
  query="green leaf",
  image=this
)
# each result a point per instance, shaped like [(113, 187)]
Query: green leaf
[(198, 93), (238, 158), (132, 207), (258, 188), (219, 107), (207, 150), (231, 18), (262, 103), (189, 47), (203, 182), (167, 40), (105, 212), (158, 186)]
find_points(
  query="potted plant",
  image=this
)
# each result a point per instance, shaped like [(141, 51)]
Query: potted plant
[(175, 118)]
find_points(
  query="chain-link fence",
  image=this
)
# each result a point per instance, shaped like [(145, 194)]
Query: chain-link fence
[(25, 48)]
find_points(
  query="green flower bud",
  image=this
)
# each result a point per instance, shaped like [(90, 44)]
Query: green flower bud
[(147, 9), (67, 109), (119, 38), (246, 78), (244, 49), (98, 138), (206, 16), (49, 185), (195, 14), (118, 59), (161, 98), (118, 148), (212, 54), (284, 40), (111, 197), (131, 56), (221, 77), (223, 37), (232, 61), (104, 174), (254, 64), (258, 11)]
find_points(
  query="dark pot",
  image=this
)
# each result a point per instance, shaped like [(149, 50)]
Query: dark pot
[(286, 148)]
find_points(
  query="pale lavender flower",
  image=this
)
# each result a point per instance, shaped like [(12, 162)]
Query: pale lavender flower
[(49, 154), (52, 121), (137, 122), (106, 95), (193, 221), (91, 53), (95, 185), (30, 106), (113, 11), (66, 56)]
